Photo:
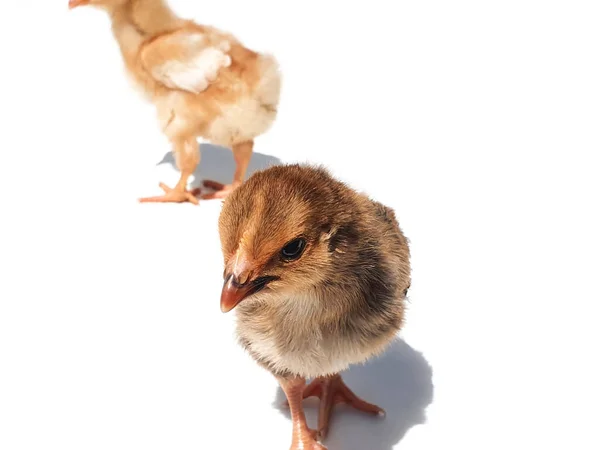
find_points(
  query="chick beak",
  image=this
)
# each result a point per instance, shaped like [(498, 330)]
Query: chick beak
[(233, 292), (75, 3)]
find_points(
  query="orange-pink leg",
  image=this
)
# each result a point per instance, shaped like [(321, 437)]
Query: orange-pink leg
[(187, 157), (303, 438), (241, 154), (332, 391)]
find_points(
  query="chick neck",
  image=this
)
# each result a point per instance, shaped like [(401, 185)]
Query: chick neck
[(136, 21), (148, 18)]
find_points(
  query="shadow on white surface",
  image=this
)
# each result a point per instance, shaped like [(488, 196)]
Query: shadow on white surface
[(399, 381), (216, 163)]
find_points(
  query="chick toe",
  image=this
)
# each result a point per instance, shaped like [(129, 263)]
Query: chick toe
[(221, 190), (332, 391), (173, 195)]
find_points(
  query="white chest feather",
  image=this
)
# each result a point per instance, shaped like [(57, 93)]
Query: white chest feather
[(291, 346), (314, 358)]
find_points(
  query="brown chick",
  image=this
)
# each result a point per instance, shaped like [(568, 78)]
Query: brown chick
[(318, 274), (203, 82)]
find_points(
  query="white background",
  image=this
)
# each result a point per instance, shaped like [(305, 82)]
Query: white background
[(477, 121)]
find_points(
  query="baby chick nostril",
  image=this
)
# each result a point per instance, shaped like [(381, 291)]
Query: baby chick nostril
[(232, 280), (239, 281), (235, 282)]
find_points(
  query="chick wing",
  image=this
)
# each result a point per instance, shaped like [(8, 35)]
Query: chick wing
[(187, 60)]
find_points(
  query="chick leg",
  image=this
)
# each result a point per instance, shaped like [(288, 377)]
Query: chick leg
[(187, 157), (241, 154), (332, 391), (303, 438)]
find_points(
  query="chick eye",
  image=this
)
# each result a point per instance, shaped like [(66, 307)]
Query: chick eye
[(293, 249)]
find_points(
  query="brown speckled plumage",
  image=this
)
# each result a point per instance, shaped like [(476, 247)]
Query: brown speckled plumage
[(342, 301)]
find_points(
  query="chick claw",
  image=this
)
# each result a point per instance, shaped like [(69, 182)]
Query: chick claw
[(221, 190), (332, 391), (173, 196)]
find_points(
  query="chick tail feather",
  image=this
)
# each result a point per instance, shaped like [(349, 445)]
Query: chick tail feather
[(268, 90)]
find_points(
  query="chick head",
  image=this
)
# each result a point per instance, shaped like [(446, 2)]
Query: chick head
[(279, 236)]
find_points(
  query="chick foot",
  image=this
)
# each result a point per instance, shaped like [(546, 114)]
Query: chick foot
[(221, 190), (332, 391), (173, 196), (306, 440)]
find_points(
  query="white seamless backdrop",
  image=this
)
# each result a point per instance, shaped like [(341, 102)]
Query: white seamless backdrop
[(476, 121)]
